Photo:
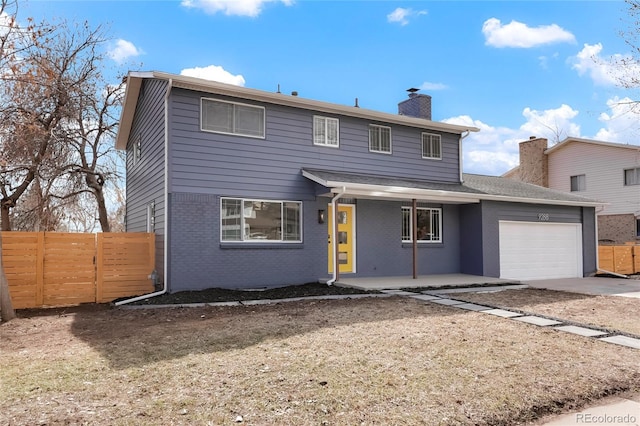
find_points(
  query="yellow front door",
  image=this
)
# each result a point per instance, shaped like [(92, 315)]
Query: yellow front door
[(346, 237)]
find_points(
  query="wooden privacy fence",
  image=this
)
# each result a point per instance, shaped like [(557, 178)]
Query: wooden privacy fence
[(619, 259), (61, 269)]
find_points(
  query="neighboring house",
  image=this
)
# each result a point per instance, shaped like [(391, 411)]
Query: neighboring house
[(604, 171), (240, 185)]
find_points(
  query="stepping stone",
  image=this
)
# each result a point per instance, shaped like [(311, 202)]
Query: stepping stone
[(623, 340), (425, 297), (472, 307), (581, 331), (532, 319), (398, 292), (502, 313), (447, 302)]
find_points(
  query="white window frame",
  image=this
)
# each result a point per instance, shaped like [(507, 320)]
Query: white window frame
[(581, 183), (431, 141), (635, 180), (244, 225), (325, 123), (234, 118), (379, 149), (432, 210)]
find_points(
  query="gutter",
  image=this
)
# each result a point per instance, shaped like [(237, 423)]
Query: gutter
[(334, 247), (462, 136), (166, 202)]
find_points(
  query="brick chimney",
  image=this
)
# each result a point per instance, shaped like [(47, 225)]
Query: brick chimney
[(418, 105), (534, 164)]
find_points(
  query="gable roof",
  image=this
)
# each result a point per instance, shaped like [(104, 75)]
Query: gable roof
[(570, 140), (134, 83), (472, 190)]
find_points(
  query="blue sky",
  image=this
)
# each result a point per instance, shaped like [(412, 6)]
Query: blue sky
[(512, 68)]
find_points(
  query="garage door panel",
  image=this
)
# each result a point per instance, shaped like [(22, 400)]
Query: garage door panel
[(531, 250)]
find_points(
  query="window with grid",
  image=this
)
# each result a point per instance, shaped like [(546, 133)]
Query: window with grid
[(232, 118), (429, 225), (431, 146), (260, 220), (632, 176), (578, 183), (326, 131), (380, 139)]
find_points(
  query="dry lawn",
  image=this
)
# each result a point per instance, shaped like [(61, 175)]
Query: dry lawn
[(368, 361), (609, 312)]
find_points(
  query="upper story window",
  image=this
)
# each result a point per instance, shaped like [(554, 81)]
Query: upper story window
[(232, 118), (632, 176), (260, 220), (380, 139), (578, 183), (326, 131), (429, 225), (431, 146)]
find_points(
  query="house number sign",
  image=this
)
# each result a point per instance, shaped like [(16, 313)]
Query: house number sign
[(543, 217)]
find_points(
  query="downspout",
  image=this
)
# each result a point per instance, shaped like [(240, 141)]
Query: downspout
[(460, 152), (598, 269), (334, 244), (166, 202)]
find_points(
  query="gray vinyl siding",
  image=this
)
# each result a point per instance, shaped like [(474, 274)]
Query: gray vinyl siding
[(210, 163), (493, 212), (145, 179)]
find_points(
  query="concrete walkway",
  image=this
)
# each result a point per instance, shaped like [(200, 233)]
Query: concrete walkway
[(613, 411), (591, 285)]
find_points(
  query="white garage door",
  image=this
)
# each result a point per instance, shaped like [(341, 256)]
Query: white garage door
[(536, 251)]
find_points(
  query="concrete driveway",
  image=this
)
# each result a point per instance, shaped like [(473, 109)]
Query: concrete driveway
[(591, 285)]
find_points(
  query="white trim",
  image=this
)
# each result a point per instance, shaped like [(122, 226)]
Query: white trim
[(264, 118), (569, 140), (422, 135), (410, 209), (378, 151), (242, 224), (326, 131)]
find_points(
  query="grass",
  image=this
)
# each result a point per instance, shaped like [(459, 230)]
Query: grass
[(364, 361)]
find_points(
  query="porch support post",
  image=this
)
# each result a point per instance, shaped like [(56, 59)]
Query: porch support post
[(414, 238), (336, 242)]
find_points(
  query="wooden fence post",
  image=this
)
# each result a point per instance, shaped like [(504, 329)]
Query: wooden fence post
[(40, 253), (99, 259)]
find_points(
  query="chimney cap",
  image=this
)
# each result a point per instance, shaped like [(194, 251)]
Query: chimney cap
[(413, 90), (532, 138)]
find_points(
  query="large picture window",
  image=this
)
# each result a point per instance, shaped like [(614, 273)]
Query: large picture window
[(429, 225), (232, 118), (260, 220), (431, 146), (380, 139), (326, 131)]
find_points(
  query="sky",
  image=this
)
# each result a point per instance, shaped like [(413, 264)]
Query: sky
[(514, 69)]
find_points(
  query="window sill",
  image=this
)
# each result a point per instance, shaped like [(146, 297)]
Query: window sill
[(424, 245), (248, 245)]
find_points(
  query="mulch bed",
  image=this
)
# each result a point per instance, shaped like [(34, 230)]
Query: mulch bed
[(226, 295)]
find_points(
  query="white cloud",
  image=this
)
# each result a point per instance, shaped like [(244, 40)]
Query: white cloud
[(494, 150), (517, 34), (215, 73), (123, 50), (605, 71), (402, 15), (251, 8), (621, 122), (432, 86)]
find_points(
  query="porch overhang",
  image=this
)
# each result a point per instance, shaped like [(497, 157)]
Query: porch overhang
[(352, 185)]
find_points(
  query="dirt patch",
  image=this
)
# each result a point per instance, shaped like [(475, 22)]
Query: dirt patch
[(608, 312), (359, 361), (226, 295)]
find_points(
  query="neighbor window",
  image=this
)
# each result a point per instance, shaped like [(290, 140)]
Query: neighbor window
[(431, 146), (380, 139), (632, 176), (578, 183), (429, 225), (232, 118), (260, 220), (325, 131), (638, 227)]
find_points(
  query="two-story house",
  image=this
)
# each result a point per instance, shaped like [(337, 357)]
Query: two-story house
[(605, 171), (247, 189)]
